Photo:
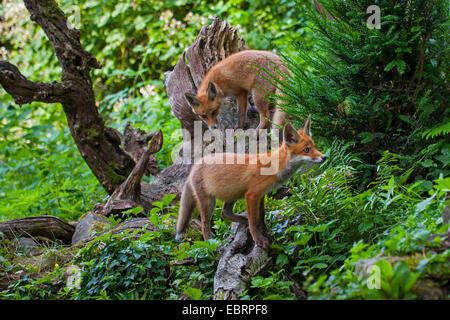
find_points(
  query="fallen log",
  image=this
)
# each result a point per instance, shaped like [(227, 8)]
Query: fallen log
[(240, 261), (48, 227)]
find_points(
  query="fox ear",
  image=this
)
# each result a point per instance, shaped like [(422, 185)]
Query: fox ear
[(212, 91), (192, 100), (306, 127), (290, 135)]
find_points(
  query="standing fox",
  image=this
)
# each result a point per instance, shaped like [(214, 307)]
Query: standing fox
[(212, 178), (236, 76)]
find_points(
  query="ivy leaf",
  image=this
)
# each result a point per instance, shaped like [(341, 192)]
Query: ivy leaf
[(428, 163), (193, 293), (282, 259)]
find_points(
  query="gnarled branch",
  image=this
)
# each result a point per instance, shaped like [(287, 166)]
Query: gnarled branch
[(76, 63), (25, 91)]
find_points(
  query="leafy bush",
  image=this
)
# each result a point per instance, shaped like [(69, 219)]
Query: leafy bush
[(124, 269), (379, 88), (30, 151)]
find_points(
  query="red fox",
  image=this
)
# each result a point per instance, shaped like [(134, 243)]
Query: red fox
[(230, 182), (235, 76)]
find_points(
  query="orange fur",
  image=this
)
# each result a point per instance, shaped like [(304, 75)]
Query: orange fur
[(236, 76), (230, 182)]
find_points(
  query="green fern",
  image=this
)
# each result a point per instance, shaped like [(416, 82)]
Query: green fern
[(438, 130)]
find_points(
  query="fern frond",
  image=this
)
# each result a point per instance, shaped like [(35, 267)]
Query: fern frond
[(440, 129)]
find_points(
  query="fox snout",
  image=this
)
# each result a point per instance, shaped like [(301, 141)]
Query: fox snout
[(211, 124), (320, 159)]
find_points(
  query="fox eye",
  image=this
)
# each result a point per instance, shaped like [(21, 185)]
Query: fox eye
[(203, 116), (306, 150), (214, 112)]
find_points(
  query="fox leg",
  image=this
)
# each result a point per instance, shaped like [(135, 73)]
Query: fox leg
[(262, 215), (256, 224), (279, 117), (227, 213), (263, 108), (242, 105), (206, 206)]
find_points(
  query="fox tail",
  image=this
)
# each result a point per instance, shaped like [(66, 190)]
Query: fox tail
[(187, 207)]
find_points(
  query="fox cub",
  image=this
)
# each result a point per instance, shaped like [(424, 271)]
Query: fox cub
[(211, 177), (235, 76)]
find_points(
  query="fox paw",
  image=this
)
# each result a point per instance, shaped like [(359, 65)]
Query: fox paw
[(179, 236), (263, 243), (209, 235)]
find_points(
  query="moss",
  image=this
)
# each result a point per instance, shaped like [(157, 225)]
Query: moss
[(92, 133), (98, 226), (84, 215), (111, 170), (52, 9), (193, 234), (45, 261)]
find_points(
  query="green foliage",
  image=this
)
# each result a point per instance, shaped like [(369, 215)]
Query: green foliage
[(272, 287), (136, 42), (379, 195), (40, 169), (437, 130), (124, 269), (47, 287), (407, 240), (333, 226), (132, 265), (7, 251), (381, 88)]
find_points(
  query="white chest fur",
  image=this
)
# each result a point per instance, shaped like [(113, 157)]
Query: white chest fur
[(294, 164)]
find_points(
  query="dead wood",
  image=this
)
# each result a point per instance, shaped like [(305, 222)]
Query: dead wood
[(49, 227), (240, 261)]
